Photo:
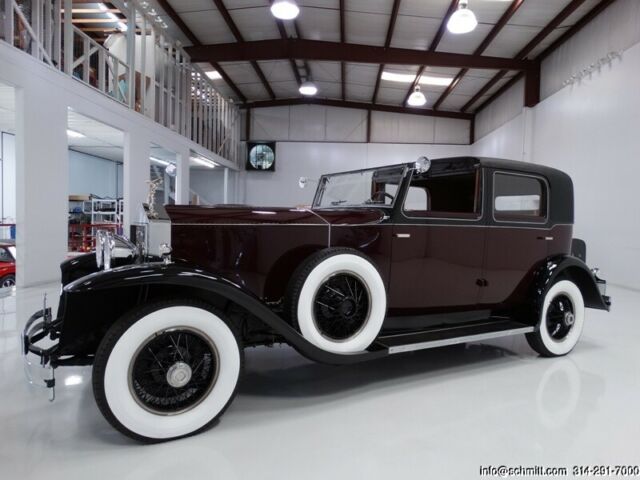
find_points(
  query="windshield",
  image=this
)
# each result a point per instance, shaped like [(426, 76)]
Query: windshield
[(374, 187)]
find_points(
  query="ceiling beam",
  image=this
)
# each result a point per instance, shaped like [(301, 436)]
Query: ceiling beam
[(504, 19), (528, 48), (164, 4), (575, 28), (239, 38), (348, 52), (342, 40), (387, 44), (357, 105), (432, 48)]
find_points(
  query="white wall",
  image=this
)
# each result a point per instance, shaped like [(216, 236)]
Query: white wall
[(317, 123), (94, 175), (590, 130), (312, 159), (8, 157), (208, 185)]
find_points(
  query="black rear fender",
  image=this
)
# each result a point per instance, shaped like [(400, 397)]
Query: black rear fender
[(571, 268)]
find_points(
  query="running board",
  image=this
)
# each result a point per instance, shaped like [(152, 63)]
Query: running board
[(409, 342)]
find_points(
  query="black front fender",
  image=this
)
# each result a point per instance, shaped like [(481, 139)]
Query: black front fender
[(129, 286), (574, 269)]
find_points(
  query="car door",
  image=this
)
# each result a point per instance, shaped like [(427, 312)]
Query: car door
[(518, 236), (438, 241)]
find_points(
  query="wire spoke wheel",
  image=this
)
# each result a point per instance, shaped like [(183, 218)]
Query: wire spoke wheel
[(341, 306), (173, 371), (560, 317)]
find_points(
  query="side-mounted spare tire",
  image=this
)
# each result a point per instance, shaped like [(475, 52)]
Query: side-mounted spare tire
[(337, 300)]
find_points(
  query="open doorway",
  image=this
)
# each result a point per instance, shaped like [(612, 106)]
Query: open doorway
[(7, 187), (96, 155), (208, 181)]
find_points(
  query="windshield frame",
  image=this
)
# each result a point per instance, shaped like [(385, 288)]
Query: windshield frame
[(321, 183)]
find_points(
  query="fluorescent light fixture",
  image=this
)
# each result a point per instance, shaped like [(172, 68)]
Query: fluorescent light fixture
[(213, 75), (409, 78), (160, 161), (417, 98), (204, 162), (463, 20), (285, 9), (73, 380), (74, 134), (308, 89)]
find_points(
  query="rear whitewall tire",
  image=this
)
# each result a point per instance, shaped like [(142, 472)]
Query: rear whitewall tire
[(366, 272), (112, 370), (541, 340)]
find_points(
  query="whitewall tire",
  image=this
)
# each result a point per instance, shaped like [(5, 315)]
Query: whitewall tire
[(167, 370), (338, 301), (561, 320)]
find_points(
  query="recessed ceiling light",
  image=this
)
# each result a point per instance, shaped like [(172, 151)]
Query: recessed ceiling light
[(308, 89), (74, 134), (285, 9), (417, 98), (463, 20), (409, 78), (213, 75), (204, 162)]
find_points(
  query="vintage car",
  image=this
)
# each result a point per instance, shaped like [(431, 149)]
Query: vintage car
[(386, 260), (7, 264)]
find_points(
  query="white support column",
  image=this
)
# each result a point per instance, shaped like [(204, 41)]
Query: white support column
[(137, 148), (42, 178), (183, 189), (225, 192)]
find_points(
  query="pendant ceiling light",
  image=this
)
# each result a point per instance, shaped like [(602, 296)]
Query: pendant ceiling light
[(463, 20), (417, 98), (285, 9), (308, 88)]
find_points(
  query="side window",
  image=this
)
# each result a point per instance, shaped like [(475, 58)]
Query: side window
[(519, 198), (455, 195)]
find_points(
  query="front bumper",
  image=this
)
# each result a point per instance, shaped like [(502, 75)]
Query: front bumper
[(39, 337)]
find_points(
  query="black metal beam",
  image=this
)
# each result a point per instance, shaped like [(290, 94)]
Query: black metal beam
[(239, 38), (387, 43), (348, 52)]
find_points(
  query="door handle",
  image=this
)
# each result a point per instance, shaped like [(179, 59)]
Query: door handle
[(548, 239), (402, 235)]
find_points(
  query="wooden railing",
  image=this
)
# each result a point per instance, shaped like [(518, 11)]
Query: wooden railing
[(140, 67)]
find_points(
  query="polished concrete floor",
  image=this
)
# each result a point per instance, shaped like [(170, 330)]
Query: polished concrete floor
[(441, 412)]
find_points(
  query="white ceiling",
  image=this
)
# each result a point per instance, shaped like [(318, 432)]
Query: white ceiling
[(99, 139), (366, 22)]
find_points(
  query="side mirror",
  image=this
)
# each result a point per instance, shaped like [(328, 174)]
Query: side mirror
[(422, 165), (302, 182)]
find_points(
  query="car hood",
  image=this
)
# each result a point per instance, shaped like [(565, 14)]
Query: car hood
[(243, 214)]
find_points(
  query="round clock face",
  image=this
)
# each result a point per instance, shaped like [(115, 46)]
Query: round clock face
[(261, 157)]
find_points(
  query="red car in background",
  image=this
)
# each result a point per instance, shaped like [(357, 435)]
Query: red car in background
[(7, 264)]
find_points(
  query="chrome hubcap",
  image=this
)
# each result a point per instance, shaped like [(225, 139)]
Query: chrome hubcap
[(569, 319), (179, 374)]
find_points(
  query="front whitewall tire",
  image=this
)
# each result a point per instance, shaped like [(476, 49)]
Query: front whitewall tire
[(118, 397), (369, 275)]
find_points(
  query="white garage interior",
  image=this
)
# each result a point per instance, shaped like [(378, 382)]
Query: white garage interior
[(106, 107)]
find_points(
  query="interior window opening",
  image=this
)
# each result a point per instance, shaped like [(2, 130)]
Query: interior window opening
[(444, 194)]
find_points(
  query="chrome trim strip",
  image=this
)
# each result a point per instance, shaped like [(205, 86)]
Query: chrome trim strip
[(457, 340), (325, 221)]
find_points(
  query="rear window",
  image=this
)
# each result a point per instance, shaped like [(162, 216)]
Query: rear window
[(519, 198)]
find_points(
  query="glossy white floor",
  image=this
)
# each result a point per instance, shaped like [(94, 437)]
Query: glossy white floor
[(445, 411)]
